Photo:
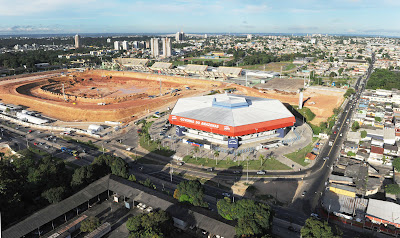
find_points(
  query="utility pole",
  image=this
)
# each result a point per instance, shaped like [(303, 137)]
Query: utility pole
[(26, 137), (246, 78), (171, 171), (247, 179), (160, 87)]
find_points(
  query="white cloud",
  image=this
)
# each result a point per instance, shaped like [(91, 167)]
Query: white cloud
[(29, 29), (23, 7), (252, 9)]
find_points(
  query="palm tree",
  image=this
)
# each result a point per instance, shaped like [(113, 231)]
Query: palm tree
[(261, 159), (195, 151), (216, 154)]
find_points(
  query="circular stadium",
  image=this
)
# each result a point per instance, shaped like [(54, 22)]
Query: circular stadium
[(231, 120)]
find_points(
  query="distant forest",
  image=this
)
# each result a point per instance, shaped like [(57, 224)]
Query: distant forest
[(384, 79)]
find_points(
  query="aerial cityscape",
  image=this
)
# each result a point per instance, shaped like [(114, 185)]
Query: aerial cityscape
[(189, 118)]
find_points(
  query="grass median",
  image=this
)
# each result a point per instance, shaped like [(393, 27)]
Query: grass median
[(228, 163), (300, 155)]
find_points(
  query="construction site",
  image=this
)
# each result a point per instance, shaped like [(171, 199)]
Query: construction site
[(103, 95)]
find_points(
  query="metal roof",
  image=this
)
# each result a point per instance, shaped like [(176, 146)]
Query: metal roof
[(197, 216), (388, 211), (230, 109), (233, 71), (53, 211), (161, 65), (194, 68)]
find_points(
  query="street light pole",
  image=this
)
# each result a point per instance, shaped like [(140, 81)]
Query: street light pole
[(247, 170)]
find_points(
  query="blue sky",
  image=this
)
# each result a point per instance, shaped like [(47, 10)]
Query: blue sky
[(200, 16)]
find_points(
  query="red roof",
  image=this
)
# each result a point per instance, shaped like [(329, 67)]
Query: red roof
[(376, 150), (311, 156)]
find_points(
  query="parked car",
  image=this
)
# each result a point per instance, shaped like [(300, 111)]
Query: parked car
[(226, 195), (261, 172)]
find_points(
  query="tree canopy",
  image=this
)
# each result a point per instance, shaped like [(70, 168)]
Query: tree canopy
[(154, 224), (191, 191), (253, 218), (32, 181), (317, 229), (90, 224), (396, 164), (384, 79), (392, 189)]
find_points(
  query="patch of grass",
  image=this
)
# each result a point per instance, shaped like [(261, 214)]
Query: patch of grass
[(289, 67), (299, 156), (305, 112), (37, 151), (152, 146), (268, 164)]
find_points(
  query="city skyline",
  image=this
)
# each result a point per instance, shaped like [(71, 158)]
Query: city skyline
[(352, 17)]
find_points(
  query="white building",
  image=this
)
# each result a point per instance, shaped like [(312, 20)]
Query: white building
[(95, 128), (125, 45), (167, 47), (77, 41), (117, 45), (180, 36), (155, 52)]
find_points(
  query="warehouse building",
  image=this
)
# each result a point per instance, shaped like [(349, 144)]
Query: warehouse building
[(231, 120)]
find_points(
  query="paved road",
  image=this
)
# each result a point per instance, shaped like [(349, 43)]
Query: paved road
[(321, 170)]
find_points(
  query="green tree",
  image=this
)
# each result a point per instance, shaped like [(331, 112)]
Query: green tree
[(253, 218), (54, 195), (378, 119), (340, 71), (90, 224), (355, 126), (132, 178), (134, 223), (363, 134), (349, 92), (119, 167), (191, 191), (225, 208), (316, 229), (151, 225), (392, 189), (396, 164)]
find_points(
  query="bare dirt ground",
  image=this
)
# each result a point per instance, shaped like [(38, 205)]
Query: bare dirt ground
[(119, 83), (320, 102), (19, 92)]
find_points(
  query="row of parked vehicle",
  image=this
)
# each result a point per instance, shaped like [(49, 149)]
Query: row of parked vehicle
[(144, 207)]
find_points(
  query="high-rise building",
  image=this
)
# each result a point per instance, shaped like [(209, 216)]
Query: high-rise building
[(77, 41), (180, 36), (167, 47), (154, 47), (108, 40), (205, 36), (249, 36), (117, 45), (125, 45)]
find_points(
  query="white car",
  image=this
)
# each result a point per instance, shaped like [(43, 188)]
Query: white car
[(149, 209), (261, 172)]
